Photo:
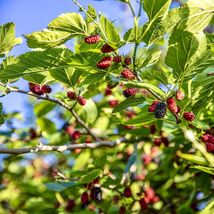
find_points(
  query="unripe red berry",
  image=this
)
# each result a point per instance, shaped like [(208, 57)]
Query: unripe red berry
[(157, 141), (180, 95), (35, 88), (189, 116), (75, 135), (70, 205), (122, 210), (153, 106), (84, 198), (155, 199), (210, 146), (113, 103), (128, 74), (92, 39), (105, 62), (143, 203), (127, 192), (128, 60), (130, 114), (72, 95), (108, 91), (46, 89), (171, 104), (69, 129), (117, 59), (129, 92), (149, 193), (88, 139), (208, 139), (107, 49), (81, 100)]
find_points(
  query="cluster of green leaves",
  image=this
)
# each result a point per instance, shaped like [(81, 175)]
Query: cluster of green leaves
[(174, 51)]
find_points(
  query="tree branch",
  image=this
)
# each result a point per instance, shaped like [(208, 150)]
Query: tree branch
[(46, 148), (53, 100)]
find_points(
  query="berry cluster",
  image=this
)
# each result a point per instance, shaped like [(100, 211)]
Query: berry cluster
[(80, 99), (208, 139), (39, 89)]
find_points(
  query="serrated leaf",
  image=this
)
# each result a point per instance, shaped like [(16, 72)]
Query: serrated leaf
[(93, 78), (156, 8), (69, 22), (131, 101), (184, 53), (110, 32), (47, 39), (7, 38), (59, 186), (63, 75), (208, 170), (90, 176), (60, 30), (159, 75), (149, 60), (141, 119)]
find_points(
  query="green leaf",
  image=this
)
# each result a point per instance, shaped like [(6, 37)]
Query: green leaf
[(72, 23), (59, 186), (90, 176), (46, 126), (35, 78), (208, 170), (185, 52), (159, 75), (146, 86), (149, 60), (89, 112), (93, 78), (110, 32), (100, 162), (60, 30), (143, 118), (131, 101), (193, 158), (63, 75), (47, 39), (210, 38), (156, 8), (7, 38), (43, 108)]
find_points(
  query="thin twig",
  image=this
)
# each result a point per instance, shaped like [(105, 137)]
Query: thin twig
[(46, 148)]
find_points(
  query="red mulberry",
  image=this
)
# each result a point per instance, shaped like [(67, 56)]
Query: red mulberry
[(104, 62), (92, 39)]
